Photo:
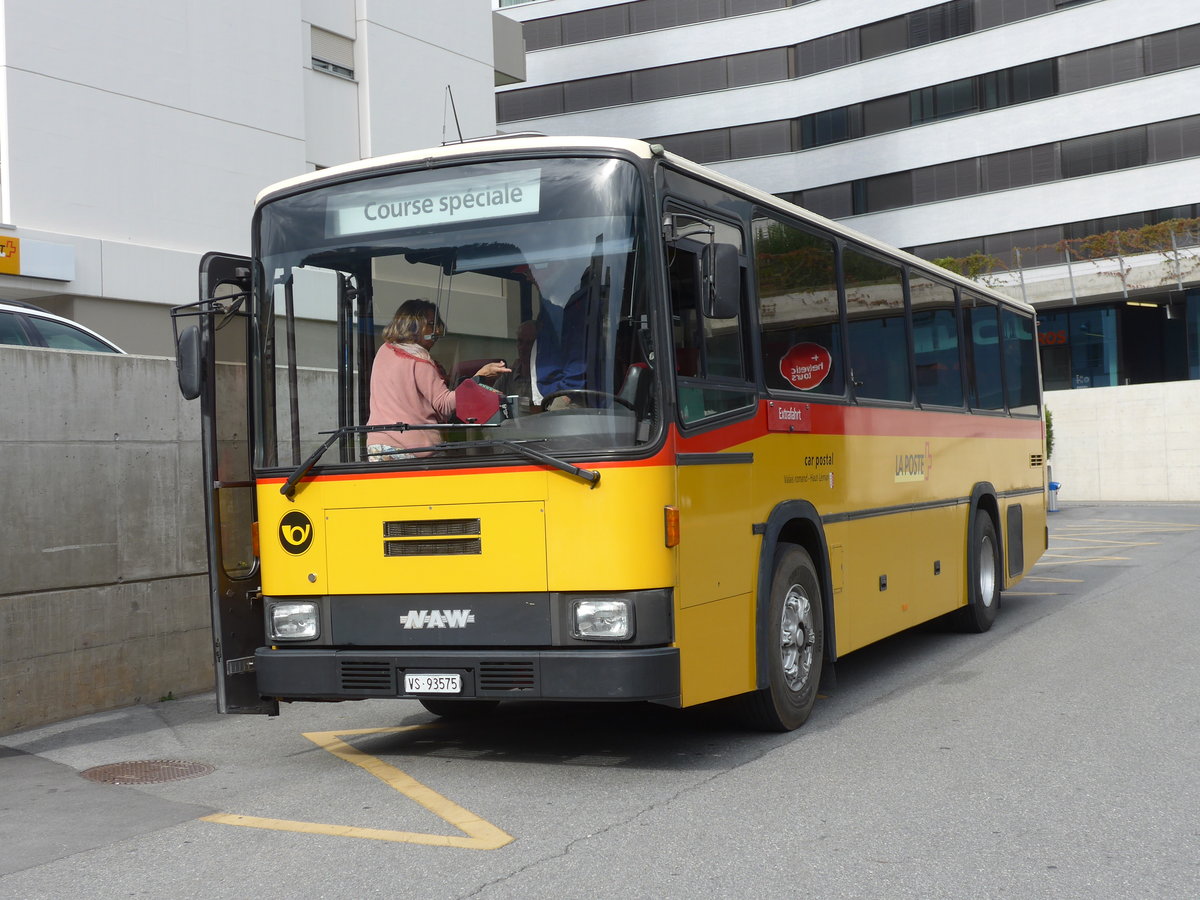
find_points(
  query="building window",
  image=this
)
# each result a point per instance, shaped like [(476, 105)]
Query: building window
[(1177, 139), (746, 141), (1103, 152), (332, 53), (1172, 50), (1100, 66), (882, 38)]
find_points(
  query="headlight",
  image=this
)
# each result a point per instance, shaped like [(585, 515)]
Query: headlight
[(602, 620), (294, 621)]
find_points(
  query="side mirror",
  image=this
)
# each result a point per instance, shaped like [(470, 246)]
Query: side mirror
[(189, 363), (722, 280)]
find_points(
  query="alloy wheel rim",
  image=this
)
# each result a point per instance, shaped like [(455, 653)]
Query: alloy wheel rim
[(796, 637)]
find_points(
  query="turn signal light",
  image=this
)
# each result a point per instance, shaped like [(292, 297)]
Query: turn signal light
[(254, 538), (671, 524)]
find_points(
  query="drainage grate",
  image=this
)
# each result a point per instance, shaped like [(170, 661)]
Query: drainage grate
[(147, 771)]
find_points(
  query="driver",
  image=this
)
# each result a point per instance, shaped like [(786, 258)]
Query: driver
[(408, 386)]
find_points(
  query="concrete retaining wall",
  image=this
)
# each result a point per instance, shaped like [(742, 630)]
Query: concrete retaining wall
[(1137, 442), (103, 592), (103, 596)]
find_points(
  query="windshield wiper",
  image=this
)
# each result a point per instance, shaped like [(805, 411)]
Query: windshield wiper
[(288, 488), (591, 476)]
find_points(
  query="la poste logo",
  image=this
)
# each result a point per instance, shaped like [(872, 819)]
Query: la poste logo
[(806, 365)]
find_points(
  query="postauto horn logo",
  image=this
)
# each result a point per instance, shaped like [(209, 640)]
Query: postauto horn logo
[(295, 532)]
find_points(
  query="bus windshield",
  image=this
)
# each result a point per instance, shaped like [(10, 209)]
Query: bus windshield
[(378, 297)]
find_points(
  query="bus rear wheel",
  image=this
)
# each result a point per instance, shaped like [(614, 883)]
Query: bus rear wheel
[(983, 574), (459, 709), (796, 645)]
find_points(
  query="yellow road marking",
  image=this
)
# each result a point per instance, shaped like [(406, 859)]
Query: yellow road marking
[(1051, 578), (480, 834), (1075, 560), (1100, 541)]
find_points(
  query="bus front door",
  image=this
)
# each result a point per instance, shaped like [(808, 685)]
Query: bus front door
[(234, 581)]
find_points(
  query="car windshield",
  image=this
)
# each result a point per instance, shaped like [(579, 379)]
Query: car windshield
[(469, 307)]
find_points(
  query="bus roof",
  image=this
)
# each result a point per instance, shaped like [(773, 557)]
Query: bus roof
[(643, 149)]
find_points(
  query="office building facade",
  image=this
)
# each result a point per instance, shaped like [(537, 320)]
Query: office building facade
[(1044, 143)]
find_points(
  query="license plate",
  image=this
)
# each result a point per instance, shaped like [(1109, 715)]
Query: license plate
[(432, 684)]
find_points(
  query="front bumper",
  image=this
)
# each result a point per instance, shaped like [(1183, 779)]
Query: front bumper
[(574, 674)]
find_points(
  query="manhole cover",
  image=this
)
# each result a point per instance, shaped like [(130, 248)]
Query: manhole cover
[(146, 771)]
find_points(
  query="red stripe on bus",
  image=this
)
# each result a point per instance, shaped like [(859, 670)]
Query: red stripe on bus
[(851, 421)]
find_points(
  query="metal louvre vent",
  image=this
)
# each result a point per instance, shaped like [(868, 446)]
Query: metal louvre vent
[(462, 547), (442, 537), (510, 675), (1036, 460), (431, 528), (366, 676)]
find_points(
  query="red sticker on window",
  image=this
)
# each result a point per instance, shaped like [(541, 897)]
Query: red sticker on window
[(806, 365)]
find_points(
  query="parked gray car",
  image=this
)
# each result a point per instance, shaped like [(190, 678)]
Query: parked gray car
[(25, 325)]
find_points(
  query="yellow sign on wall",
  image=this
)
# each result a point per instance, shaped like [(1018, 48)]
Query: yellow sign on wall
[(10, 256)]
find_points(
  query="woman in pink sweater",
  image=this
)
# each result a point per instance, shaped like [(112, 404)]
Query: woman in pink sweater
[(408, 386)]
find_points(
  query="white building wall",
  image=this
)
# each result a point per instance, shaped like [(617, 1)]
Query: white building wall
[(1134, 442), (135, 135)]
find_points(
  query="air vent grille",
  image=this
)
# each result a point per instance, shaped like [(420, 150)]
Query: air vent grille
[(1036, 460), (431, 528), (464, 547), (366, 676), (432, 537), (507, 675)]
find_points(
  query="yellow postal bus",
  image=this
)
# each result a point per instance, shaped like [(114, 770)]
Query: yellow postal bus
[(736, 441)]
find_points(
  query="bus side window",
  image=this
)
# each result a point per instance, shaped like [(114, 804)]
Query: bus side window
[(710, 353), (877, 327), (1020, 363), (986, 386), (935, 342), (798, 308)]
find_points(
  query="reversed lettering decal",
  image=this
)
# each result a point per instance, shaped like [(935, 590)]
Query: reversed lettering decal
[(806, 365)]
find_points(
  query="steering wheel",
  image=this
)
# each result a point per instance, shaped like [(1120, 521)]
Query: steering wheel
[(602, 394)]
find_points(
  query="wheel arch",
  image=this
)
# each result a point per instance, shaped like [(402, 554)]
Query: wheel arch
[(983, 497), (791, 522)]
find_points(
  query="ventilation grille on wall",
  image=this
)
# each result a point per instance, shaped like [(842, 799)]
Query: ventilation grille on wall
[(1036, 460)]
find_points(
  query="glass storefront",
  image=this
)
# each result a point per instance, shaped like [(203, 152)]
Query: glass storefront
[(1127, 342)]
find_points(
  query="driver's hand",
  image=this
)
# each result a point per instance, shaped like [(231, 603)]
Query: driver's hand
[(492, 369)]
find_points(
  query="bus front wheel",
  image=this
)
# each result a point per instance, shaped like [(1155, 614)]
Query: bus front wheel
[(983, 573), (796, 644)]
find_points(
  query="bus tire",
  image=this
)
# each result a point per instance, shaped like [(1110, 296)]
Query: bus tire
[(983, 578), (459, 709), (796, 646)]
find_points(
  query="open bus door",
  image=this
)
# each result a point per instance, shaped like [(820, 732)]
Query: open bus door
[(219, 326)]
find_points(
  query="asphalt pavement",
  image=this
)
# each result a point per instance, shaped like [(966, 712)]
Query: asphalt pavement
[(1056, 756)]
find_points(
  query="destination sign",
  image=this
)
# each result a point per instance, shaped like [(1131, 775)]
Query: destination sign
[(487, 196)]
